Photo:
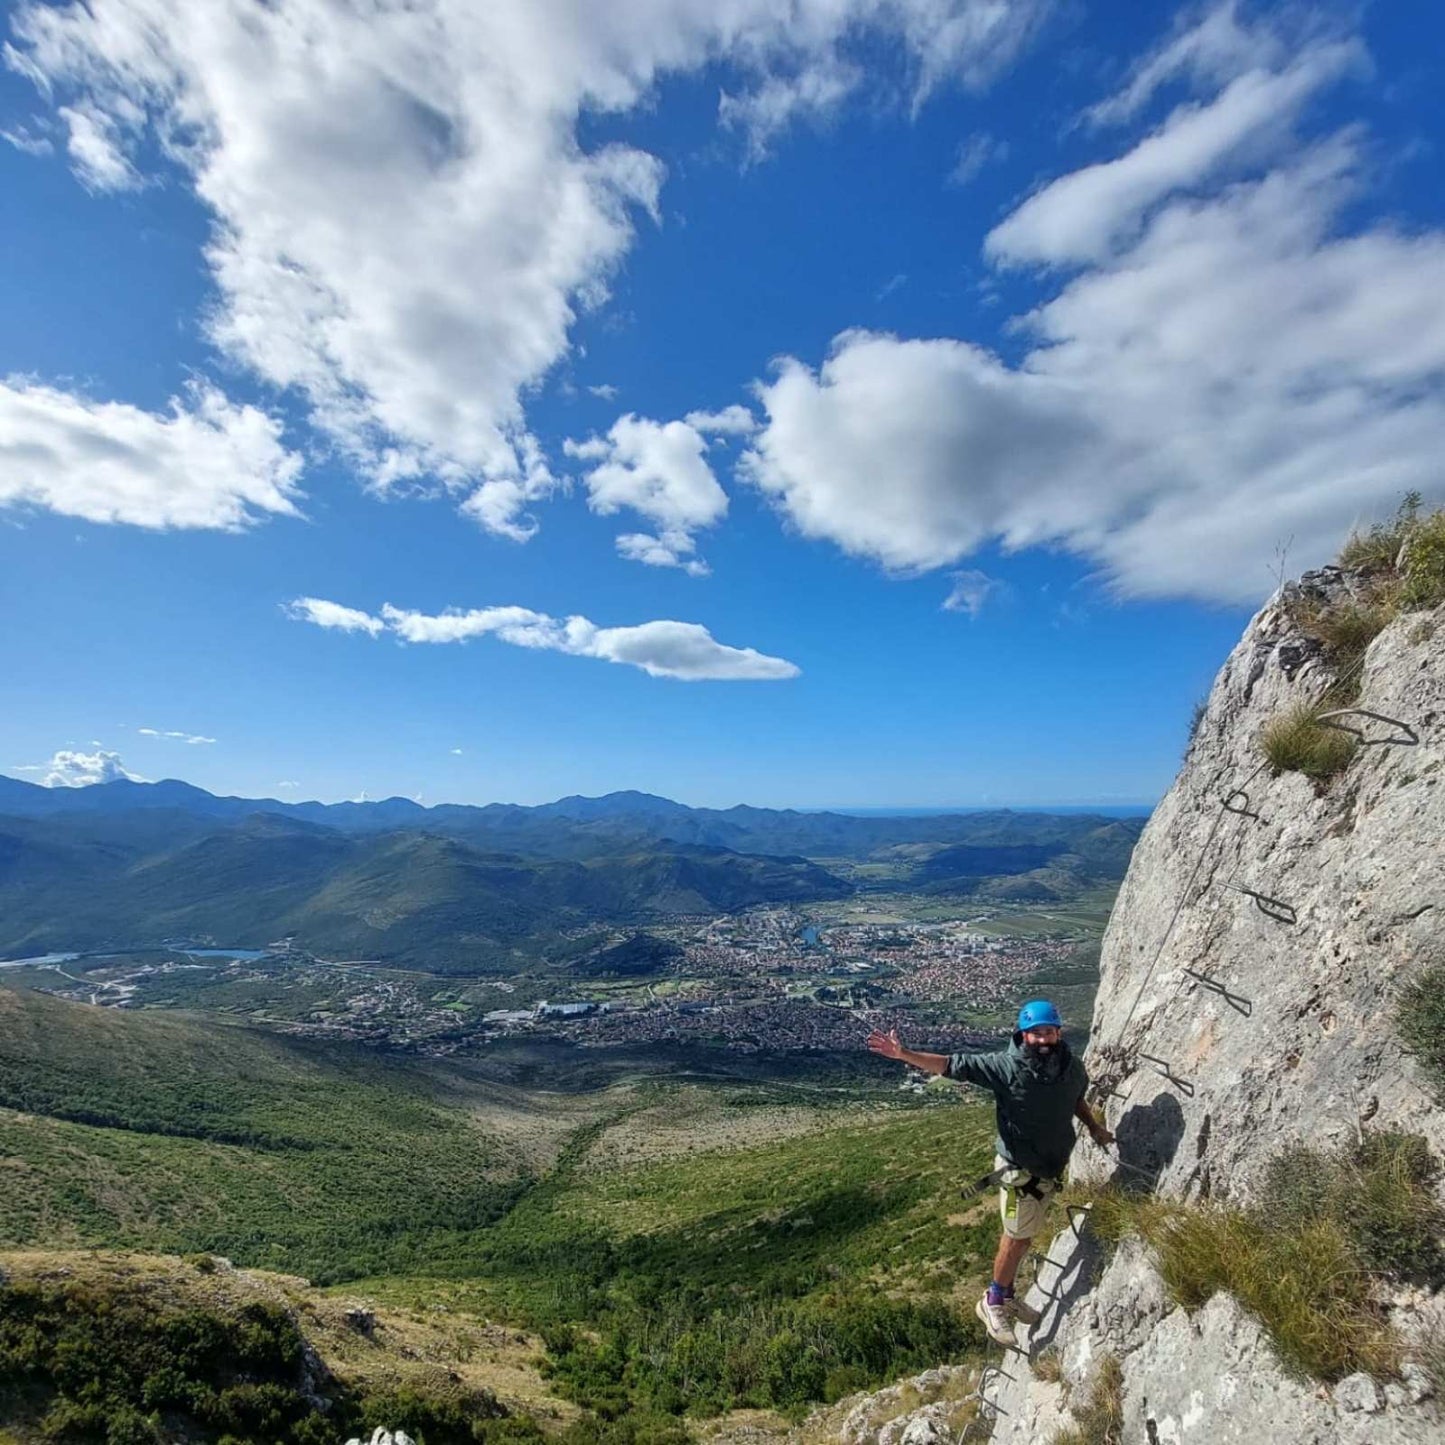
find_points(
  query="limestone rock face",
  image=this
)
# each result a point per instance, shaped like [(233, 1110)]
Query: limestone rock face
[(1249, 980)]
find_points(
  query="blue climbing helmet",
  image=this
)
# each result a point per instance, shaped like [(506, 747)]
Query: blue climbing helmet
[(1039, 1013)]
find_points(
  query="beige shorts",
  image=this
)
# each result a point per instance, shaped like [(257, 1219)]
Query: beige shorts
[(1022, 1214)]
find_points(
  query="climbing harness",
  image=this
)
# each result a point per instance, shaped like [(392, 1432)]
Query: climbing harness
[(1031, 1186)]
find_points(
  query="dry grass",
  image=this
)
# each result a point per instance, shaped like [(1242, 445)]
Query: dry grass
[(1305, 1261), (1306, 1287), (1099, 1420), (1399, 567), (1048, 1366), (1406, 556), (1297, 742)]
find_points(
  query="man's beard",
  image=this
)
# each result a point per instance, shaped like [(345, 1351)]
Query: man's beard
[(1045, 1059)]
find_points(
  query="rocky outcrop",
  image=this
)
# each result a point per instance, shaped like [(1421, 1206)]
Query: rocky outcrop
[(1249, 980)]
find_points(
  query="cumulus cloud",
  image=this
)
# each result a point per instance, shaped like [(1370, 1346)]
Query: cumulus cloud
[(206, 463), (658, 470), (192, 738), (321, 613), (70, 769), (683, 650), (287, 784), (406, 225), (971, 589), (1233, 361)]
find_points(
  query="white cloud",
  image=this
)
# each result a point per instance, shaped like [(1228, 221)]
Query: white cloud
[(683, 650), (192, 738), (1209, 49), (659, 471), (1243, 363), (207, 463), (456, 752), (979, 150), (971, 589), (1088, 214), (606, 391), (27, 142), (329, 614), (406, 225), (94, 152), (287, 785), (70, 769), (732, 420), (815, 61)]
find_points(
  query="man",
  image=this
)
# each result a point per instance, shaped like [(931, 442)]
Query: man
[(1038, 1088)]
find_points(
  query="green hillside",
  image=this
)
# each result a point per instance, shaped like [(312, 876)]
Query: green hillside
[(160, 1132), (137, 879), (772, 1275)]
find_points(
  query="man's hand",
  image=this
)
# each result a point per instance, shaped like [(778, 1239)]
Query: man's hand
[(889, 1044), (1101, 1136)]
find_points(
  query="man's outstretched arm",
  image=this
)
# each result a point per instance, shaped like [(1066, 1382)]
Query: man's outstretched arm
[(891, 1047)]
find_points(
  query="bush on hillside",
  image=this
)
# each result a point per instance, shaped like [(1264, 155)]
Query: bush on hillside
[(82, 1364), (1298, 742)]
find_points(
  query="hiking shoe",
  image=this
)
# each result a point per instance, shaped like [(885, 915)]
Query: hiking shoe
[(1025, 1314), (996, 1320)]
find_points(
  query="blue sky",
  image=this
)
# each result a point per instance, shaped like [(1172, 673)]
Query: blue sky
[(843, 403)]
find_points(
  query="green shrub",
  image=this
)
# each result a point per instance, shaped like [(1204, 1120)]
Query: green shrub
[(1420, 1019), (1423, 566), (1379, 548), (1380, 1195), (1100, 1419), (1410, 553), (91, 1366), (1297, 742)]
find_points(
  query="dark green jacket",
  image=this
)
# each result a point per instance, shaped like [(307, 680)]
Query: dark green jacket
[(1034, 1102)]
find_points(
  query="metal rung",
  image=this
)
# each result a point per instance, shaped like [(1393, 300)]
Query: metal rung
[(1242, 809), (1405, 735), (1275, 908), (1163, 1067), (1236, 1001)]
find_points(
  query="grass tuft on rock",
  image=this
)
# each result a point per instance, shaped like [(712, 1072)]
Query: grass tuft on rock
[(1099, 1420), (1304, 1259), (1420, 1019), (1298, 742)]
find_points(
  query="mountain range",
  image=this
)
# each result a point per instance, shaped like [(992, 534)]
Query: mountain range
[(455, 888)]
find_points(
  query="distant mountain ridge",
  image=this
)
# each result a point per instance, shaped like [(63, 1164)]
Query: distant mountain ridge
[(578, 825), (461, 889)]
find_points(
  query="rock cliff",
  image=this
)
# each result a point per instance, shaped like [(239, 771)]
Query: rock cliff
[(1250, 979)]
